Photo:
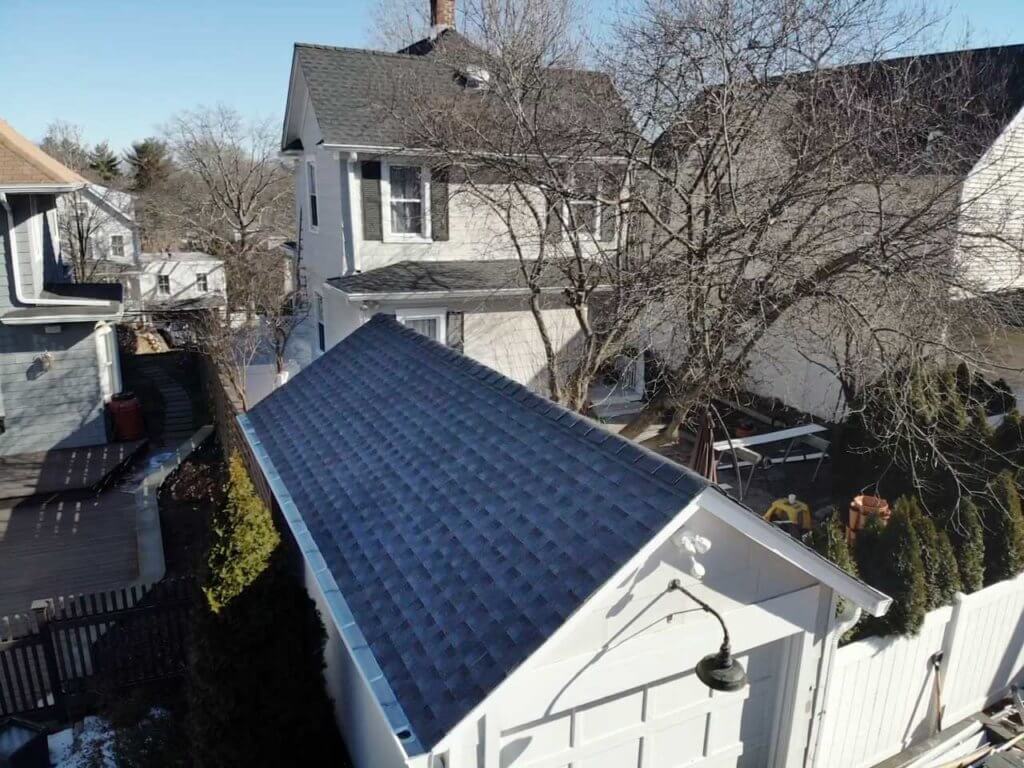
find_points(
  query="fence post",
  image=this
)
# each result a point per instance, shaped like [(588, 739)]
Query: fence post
[(42, 610), (950, 649)]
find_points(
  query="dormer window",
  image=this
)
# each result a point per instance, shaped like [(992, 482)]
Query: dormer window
[(476, 78)]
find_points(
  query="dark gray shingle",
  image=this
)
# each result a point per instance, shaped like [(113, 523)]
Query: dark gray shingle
[(444, 276), (463, 517)]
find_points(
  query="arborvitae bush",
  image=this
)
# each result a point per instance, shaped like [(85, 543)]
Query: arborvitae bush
[(1004, 530), (889, 559), (828, 539), (967, 533), (255, 686), (941, 573), (243, 539)]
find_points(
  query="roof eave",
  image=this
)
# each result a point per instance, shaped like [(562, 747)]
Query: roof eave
[(337, 606), (797, 554), (44, 188), (477, 293)]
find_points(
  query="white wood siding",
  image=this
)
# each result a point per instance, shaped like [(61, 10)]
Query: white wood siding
[(993, 196), (616, 687)]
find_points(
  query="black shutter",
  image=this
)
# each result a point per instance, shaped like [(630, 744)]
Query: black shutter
[(370, 192), (553, 225), (455, 331), (439, 204), (608, 223)]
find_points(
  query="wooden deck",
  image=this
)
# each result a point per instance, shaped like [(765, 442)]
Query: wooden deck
[(67, 544), (65, 469)]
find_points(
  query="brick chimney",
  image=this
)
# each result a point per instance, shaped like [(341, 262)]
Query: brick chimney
[(442, 15)]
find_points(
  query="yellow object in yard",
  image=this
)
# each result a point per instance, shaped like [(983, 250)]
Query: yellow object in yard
[(790, 510)]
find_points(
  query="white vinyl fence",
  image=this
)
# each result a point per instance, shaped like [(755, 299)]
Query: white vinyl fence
[(883, 695)]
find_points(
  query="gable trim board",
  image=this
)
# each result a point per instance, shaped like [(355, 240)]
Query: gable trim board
[(649, 466)]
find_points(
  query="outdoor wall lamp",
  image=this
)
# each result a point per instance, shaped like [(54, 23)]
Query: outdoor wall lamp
[(718, 671)]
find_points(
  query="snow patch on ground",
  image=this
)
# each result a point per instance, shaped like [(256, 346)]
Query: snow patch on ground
[(89, 743)]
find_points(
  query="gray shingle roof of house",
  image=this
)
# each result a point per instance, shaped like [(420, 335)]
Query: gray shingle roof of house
[(364, 98), (446, 277), (462, 517)]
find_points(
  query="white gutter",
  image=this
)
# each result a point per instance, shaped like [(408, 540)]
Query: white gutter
[(39, 189), (19, 291), (480, 293), (58, 319)]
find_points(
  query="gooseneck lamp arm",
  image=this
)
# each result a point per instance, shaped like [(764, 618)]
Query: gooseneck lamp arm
[(678, 586), (719, 671)]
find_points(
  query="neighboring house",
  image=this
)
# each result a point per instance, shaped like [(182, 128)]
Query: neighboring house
[(59, 360), (175, 281), (494, 573), (385, 231), (97, 224), (789, 364)]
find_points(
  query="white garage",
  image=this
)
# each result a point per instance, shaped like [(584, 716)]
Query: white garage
[(496, 574)]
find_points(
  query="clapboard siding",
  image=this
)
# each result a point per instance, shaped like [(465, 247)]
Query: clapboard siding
[(993, 196), (59, 407)]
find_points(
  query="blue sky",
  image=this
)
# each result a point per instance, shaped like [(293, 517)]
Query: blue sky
[(119, 68)]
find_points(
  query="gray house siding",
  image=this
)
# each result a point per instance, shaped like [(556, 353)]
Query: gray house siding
[(57, 408), (21, 207), (43, 409)]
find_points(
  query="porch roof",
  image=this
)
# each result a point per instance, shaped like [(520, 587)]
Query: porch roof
[(448, 278)]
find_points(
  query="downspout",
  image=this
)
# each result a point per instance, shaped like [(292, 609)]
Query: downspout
[(19, 292), (838, 625)]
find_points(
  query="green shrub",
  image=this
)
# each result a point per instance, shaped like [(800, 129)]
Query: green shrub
[(256, 688), (243, 539), (828, 539), (889, 559), (941, 572), (1004, 530), (967, 533)]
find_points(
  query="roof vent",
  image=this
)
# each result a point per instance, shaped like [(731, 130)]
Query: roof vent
[(477, 78)]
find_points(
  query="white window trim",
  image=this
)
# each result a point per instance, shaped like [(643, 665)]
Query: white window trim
[(425, 236), (320, 319), (433, 313), (311, 169), (159, 279), (124, 245)]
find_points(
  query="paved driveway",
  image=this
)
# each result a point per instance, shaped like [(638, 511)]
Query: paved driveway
[(66, 543)]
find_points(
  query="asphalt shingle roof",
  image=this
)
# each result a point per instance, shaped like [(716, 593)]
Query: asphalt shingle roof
[(463, 517), (369, 98), (445, 276)]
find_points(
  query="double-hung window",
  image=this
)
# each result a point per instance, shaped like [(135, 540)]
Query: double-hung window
[(201, 284), (163, 285), (117, 246), (314, 214), (321, 327), (429, 322), (407, 210)]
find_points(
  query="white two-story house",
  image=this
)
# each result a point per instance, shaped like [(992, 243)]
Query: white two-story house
[(382, 230)]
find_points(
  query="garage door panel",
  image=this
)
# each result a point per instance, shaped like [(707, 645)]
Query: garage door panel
[(674, 723)]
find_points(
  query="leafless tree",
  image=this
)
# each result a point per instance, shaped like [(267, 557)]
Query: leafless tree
[(782, 174), (233, 197), (64, 141)]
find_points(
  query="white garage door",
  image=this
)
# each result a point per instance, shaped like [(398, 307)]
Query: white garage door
[(669, 724)]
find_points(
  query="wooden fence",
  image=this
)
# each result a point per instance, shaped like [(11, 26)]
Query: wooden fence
[(69, 648), (890, 692)]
